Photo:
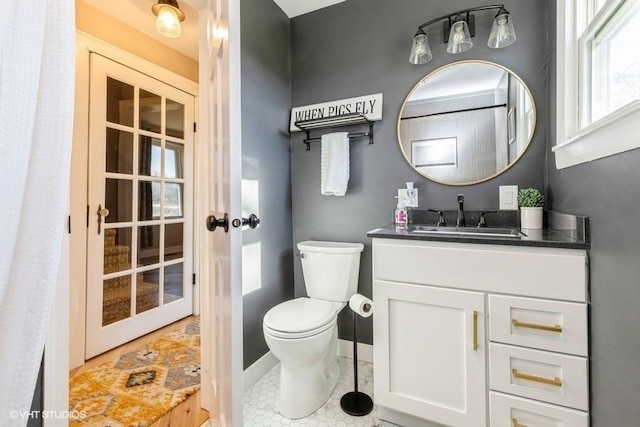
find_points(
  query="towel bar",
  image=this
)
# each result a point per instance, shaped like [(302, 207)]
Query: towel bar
[(335, 121)]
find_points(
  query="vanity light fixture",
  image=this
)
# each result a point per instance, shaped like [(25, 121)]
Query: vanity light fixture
[(459, 27), (169, 17)]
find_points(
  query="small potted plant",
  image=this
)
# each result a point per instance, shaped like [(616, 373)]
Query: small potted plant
[(531, 202)]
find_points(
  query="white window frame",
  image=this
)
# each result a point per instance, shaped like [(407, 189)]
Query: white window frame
[(615, 133)]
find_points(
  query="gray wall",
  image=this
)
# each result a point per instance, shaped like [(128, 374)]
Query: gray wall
[(361, 47), (607, 191), (266, 160)]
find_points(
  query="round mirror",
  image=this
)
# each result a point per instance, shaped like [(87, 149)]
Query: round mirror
[(466, 122)]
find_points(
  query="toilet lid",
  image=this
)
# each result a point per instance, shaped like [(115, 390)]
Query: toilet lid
[(300, 315)]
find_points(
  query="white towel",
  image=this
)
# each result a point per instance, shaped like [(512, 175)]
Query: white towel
[(334, 164)]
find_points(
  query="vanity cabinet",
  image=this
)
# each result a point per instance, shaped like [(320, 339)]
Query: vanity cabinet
[(433, 365), (480, 335)]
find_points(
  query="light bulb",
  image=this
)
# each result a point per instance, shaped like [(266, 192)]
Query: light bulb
[(459, 38), (420, 49), (502, 32), (167, 23)]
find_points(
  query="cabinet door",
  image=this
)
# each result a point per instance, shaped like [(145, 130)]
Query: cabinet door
[(429, 353)]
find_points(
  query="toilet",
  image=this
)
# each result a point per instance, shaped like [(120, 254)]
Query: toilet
[(303, 333)]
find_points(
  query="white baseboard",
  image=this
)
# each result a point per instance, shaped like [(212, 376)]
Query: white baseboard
[(365, 351), (258, 369)]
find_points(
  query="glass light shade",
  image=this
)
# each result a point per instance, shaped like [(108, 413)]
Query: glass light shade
[(502, 32), (167, 23), (420, 49), (459, 37)]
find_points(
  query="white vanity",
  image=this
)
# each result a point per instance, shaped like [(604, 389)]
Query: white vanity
[(474, 334)]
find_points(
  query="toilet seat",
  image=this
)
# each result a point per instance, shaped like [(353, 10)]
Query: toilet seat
[(300, 318)]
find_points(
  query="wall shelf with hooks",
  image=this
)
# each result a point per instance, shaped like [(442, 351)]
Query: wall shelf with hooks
[(335, 121)]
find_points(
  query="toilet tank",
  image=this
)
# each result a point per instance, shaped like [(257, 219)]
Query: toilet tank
[(330, 269)]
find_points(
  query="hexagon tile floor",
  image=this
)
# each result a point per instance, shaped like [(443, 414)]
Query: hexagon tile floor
[(260, 401)]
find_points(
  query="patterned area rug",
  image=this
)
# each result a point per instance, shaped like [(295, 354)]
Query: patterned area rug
[(140, 386)]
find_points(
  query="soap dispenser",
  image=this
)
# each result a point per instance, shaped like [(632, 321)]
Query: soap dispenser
[(400, 214)]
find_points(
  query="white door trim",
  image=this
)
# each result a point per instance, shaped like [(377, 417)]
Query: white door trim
[(85, 44), (65, 342)]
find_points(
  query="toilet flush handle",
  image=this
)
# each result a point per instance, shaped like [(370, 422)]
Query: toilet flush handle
[(303, 255)]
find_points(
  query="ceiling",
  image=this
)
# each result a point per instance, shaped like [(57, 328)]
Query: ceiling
[(137, 14), (460, 79), (300, 7)]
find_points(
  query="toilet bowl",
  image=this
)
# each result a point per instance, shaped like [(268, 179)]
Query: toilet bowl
[(303, 334)]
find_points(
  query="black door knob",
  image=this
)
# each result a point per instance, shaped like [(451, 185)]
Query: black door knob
[(213, 223), (252, 221)]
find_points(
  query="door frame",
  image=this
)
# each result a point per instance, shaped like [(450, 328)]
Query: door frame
[(56, 384), (85, 45)]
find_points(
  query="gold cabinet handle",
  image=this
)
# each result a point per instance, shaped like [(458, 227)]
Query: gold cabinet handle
[(516, 423), (551, 381), (550, 328), (475, 330)]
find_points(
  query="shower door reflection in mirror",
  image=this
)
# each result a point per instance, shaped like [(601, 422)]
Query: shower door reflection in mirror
[(466, 122)]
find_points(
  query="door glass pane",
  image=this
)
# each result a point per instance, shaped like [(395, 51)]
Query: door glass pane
[(117, 249), (148, 200), (150, 111), (119, 151), (148, 245), (173, 241), (119, 102), (116, 299), (147, 290), (118, 199), (149, 156), (175, 119), (173, 282), (173, 156), (173, 200)]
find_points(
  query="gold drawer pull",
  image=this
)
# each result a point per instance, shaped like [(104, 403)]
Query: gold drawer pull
[(551, 381), (516, 423), (475, 330), (550, 328)]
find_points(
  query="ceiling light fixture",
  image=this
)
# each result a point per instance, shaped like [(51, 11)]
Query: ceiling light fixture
[(459, 27), (169, 17)]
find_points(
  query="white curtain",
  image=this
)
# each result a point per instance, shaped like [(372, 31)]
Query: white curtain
[(37, 63)]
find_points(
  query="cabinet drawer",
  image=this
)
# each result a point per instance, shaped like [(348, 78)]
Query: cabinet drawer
[(551, 377), (543, 324), (511, 411), (534, 272)]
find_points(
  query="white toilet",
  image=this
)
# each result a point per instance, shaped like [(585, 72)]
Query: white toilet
[(303, 334)]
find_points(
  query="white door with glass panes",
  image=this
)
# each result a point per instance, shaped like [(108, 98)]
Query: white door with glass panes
[(140, 194)]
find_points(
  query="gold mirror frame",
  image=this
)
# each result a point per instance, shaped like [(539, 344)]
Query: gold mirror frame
[(509, 165)]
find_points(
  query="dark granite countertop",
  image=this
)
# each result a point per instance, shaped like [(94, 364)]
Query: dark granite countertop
[(562, 231)]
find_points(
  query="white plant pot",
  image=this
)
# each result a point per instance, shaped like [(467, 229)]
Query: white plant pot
[(531, 218)]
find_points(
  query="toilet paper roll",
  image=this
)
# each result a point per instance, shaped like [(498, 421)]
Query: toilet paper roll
[(362, 305)]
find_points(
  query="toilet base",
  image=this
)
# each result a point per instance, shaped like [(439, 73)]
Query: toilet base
[(304, 390)]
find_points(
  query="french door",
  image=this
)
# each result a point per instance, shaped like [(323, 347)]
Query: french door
[(139, 260)]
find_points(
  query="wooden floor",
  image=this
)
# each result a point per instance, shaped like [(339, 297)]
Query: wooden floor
[(186, 414)]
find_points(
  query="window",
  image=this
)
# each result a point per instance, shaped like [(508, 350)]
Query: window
[(598, 81)]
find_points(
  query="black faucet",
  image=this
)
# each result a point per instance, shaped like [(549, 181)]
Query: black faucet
[(441, 221), (460, 220)]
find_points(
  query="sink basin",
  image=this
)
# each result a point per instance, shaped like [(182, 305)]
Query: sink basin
[(511, 233)]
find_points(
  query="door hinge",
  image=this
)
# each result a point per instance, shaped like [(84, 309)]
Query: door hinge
[(69, 224), (87, 216), (194, 279), (194, 127)]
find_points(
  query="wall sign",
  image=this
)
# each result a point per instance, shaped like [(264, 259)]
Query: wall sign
[(369, 105)]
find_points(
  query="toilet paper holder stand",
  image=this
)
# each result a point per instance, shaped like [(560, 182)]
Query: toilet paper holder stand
[(356, 403)]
